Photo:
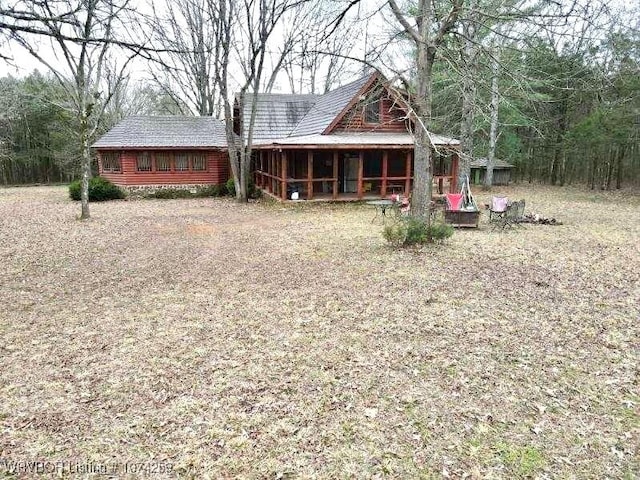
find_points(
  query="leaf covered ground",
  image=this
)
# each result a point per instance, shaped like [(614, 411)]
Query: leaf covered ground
[(288, 341)]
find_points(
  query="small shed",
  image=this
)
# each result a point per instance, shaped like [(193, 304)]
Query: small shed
[(501, 171)]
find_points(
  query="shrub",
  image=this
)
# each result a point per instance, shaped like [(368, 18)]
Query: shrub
[(417, 231), (252, 191), (395, 233), (100, 190), (212, 191), (439, 232), (230, 186), (410, 231)]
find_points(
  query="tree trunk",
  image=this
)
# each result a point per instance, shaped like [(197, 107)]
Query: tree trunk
[(85, 165), (619, 167), (422, 176), (422, 158), (86, 175), (594, 165), (610, 164), (563, 168), (469, 60), (559, 147), (493, 133)]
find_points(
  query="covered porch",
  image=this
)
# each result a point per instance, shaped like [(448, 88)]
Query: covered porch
[(346, 174)]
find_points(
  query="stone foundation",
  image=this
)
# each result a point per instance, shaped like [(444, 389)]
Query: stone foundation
[(140, 191)]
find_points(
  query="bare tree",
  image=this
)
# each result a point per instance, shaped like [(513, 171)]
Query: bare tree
[(245, 29), (427, 29), (493, 129), (469, 70), (73, 26), (315, 61), (185, 68)]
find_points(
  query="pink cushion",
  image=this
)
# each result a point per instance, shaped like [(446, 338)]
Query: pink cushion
[(454, 201), (499, 204)]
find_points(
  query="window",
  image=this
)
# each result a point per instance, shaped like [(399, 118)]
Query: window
[(199, 162), (163, 162), (110, 162), (143, 162), (372, 111), (182, 162)]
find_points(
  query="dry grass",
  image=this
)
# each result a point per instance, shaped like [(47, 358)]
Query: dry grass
[(266, 341)]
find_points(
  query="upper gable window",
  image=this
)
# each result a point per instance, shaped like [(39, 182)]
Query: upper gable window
[(372, 111)]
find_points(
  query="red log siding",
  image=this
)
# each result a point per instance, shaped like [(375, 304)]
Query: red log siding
[(217, 171), (391, 119)]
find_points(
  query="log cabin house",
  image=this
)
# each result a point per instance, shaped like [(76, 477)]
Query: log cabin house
[(148, 152), (351, 143)]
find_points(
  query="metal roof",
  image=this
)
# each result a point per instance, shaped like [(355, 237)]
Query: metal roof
[(482, 163), (165, 132)]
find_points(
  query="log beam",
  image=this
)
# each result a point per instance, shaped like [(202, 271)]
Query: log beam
[(385, 164), (334, 193), (455, 160), (283, 184), (310, 175), (360, 174)]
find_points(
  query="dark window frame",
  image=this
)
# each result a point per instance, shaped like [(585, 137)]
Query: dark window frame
[(147, 156), (203, 157), (111, 162), (169, 158), (186, 158), (372, 111)]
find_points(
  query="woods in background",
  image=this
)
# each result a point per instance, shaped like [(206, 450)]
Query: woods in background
[(565, 108)]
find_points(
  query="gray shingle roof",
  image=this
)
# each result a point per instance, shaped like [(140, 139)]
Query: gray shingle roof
[(482, 163), (277, 114), (327, 108), (165, 132)]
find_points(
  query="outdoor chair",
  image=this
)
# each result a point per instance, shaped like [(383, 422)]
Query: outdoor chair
[(510, 216), (498, 208), (454, 201), (519, 215)]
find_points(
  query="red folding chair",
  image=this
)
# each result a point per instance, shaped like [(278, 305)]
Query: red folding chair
[(454, 201)]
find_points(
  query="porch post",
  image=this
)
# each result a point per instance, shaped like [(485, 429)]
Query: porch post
[(310, 175), (360, 173), (334, 193), (265, 159), (268, 170), (407, 170), (274, 170), (453, 187), (385, 163), (283, 187)]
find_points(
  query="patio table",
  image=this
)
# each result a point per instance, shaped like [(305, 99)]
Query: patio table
[(381, 207)]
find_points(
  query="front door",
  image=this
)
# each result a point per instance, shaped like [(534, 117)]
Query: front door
[(350, 173)]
